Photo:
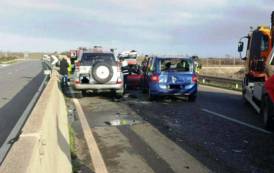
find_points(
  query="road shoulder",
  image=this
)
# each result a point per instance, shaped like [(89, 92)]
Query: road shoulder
[(134, 148)]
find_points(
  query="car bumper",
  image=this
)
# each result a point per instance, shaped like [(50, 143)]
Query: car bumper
[(134, 80), (191, 89), (98, 86)]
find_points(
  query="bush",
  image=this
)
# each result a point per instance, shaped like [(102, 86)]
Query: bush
[(8, 58)]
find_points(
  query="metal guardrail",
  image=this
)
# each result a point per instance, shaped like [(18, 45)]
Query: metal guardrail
[(16, 131), (47, 66), (228, 83)]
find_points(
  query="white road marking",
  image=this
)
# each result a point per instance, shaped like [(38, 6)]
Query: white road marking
[(236, 121), (4, 65), (221, 89), (95, 154)]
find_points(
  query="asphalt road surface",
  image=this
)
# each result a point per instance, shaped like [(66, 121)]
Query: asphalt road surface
[(18, 84), (217, 133)]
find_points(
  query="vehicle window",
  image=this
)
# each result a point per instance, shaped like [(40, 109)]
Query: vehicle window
[(248, 43), (89, 58), (272, 59), (180, 65), (264, 43), (150, 65), (128, 57)]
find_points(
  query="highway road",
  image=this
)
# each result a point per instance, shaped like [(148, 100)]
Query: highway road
[(217, 133), (18, 84)]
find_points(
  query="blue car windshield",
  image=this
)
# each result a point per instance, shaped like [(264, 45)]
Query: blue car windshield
[(176, 65)]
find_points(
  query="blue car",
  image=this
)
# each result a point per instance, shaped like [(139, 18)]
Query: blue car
[(170, 76)]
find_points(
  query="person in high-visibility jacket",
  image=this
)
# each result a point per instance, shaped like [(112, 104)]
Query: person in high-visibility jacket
[(69, 65), (196, 67), (196, 64), (69, 68)]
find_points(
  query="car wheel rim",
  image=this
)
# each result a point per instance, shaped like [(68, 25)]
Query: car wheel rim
[(102, 72)]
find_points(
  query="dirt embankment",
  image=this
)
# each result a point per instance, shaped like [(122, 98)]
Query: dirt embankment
[(235, 72), (7, 59)]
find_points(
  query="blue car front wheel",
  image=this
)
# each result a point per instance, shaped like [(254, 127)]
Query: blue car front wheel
[(192, 97)]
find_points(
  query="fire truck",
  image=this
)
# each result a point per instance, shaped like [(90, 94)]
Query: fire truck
[(258, 83)]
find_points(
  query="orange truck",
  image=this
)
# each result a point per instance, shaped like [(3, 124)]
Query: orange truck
[(258, 83)]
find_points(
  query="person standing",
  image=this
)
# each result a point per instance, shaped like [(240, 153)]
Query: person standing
[(64, 71), (197, 66)]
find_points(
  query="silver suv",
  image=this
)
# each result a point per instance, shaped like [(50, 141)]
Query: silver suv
[(98, 70)]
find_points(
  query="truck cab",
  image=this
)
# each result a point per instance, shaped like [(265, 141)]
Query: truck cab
[(258, 83), (259, 46)]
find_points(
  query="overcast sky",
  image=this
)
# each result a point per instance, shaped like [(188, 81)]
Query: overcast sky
[(202, 27)]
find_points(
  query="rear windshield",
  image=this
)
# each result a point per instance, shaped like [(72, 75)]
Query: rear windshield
[(176, 64), (128, 57), (90, 58)]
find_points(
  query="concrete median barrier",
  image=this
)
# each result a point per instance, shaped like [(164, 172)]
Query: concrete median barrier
[(43, 145)]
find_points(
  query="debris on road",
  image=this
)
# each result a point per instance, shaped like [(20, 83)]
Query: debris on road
[(245, 141), (122, 122), (237, 151)]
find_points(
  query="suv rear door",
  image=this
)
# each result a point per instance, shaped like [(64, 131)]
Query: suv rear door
[(89, 61)]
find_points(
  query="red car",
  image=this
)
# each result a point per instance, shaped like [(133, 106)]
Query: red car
[(134, 77)]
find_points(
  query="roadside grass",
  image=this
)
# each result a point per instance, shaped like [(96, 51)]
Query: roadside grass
[(219, 85), (76, 165), (7, 60)]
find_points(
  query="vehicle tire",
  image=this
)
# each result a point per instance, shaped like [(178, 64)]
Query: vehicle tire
[(245, 83), (243, 96), (192, 97), (151, 97), (119, 93), (125, 87), (268, 113), (125, 83), (144, 90), (83, 93), (78, 94), (102, 72)]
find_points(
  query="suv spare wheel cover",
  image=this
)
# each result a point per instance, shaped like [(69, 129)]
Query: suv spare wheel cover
[(102, 72)]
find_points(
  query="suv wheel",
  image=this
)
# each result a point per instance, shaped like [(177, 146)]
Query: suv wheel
[(84, 93), (102, 72)]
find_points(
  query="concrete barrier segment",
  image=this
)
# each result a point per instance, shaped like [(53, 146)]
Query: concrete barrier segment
[(43, 145)]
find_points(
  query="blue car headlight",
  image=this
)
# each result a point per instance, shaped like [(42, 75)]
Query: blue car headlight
[(163, 86)]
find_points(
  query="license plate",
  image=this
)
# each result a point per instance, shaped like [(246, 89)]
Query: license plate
[(174, 86)]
